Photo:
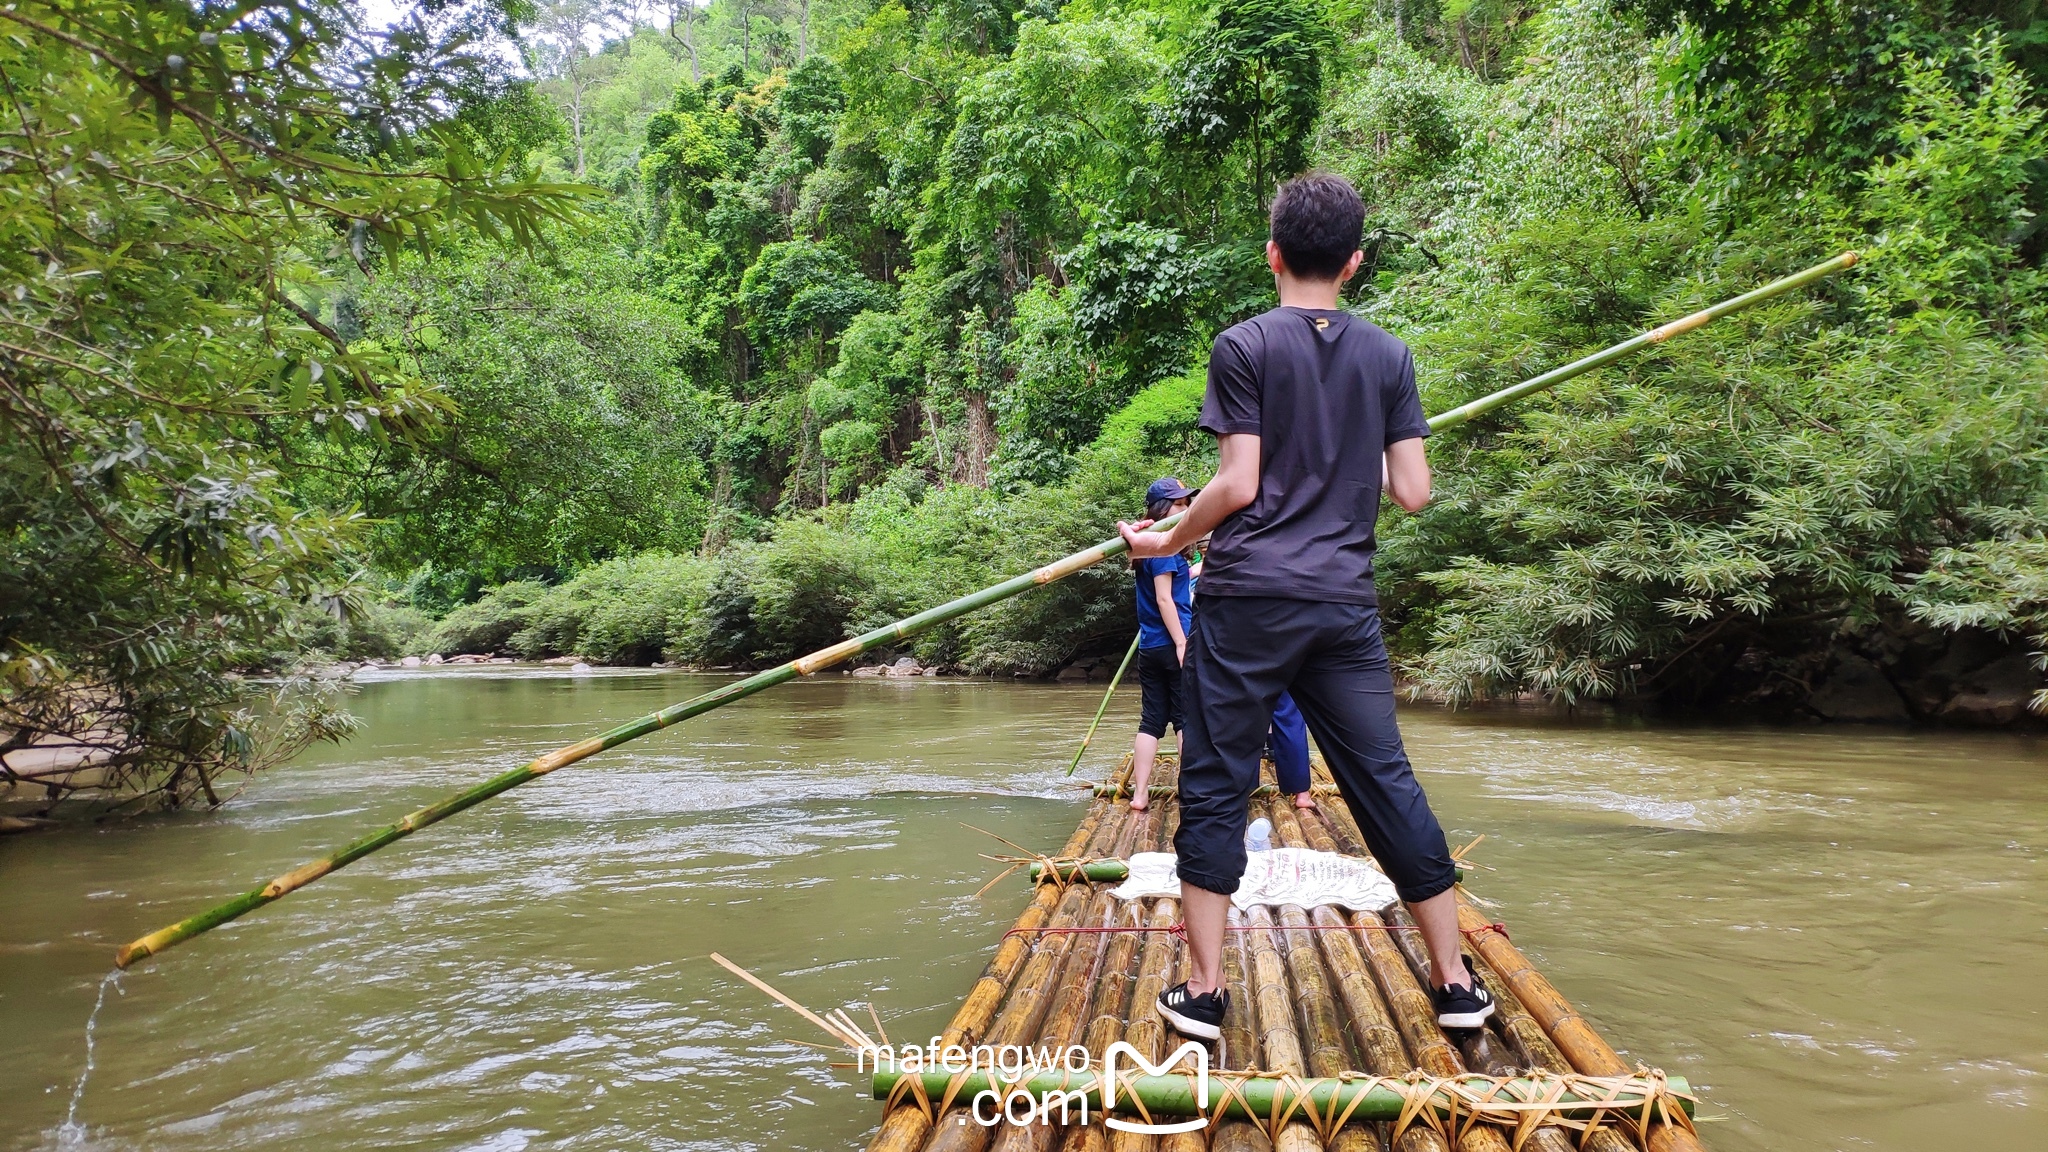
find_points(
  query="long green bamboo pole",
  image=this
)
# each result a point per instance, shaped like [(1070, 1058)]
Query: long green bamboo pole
[(1261, 1097), (1629, 347), (887, 635), (1104, 706)]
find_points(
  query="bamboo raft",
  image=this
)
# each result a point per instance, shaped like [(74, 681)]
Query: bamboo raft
[(1330, 1042)]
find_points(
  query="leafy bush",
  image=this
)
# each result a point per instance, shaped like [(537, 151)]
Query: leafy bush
[(489, 624)]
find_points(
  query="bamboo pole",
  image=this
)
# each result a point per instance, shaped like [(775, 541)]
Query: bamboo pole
[(1174, 1094), (1629, 347), (886, 636), (1104, 706), (1588, 1052)]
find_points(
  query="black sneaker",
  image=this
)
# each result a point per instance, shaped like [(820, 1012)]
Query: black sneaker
[(1198, 1016), (1463, 1007)]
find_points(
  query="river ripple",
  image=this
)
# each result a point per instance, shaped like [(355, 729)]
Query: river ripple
[(1837, 933)]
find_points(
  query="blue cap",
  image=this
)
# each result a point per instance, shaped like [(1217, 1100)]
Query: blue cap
[(1169, 488)]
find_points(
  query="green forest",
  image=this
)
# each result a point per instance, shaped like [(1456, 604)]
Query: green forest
[(713, 334)]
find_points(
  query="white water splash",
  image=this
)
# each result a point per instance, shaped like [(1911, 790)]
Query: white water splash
[(72, 1134)]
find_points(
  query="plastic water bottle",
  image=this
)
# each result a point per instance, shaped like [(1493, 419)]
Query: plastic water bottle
[(1259, 837)]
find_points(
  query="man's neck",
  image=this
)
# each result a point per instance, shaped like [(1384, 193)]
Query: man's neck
[(1296, 292)]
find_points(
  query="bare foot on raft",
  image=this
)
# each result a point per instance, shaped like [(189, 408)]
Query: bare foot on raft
[(1304, 802)]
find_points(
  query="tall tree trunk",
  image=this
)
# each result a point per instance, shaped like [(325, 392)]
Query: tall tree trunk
[(803, 30), (686, 12), (576, 114), (981, 441)]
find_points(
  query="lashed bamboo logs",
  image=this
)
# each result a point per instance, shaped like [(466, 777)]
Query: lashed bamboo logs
[(1146, 1032), (1322, 1033), (1274, 1011), (1372, 1030), (1063, 1024), (1031, 997), (1575, 1039), (905, 1129), (1239, 1048), (1536, 1051), (1483, 1051), (1123, 791), (1413, 1011), (1372, 1099), (1113, 1003)]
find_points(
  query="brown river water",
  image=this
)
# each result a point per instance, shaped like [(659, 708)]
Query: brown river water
[(1840, 935)]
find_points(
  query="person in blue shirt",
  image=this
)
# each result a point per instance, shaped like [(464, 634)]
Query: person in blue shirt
[(1166, 610)]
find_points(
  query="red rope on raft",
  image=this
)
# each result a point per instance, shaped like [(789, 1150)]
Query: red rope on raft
[(1179, 929)]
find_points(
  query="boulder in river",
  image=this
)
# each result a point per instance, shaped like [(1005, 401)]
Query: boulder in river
[(409, 662), (907, 666)]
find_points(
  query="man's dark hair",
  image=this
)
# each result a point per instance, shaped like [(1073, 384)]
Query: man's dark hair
[(1318, 221)]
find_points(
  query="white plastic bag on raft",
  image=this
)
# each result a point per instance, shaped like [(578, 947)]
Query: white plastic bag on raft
[(1300, 876)]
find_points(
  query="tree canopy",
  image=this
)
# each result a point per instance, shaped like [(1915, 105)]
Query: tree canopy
[(788, 317)]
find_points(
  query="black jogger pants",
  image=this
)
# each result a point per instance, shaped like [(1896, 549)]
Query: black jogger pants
[(1243, 652)]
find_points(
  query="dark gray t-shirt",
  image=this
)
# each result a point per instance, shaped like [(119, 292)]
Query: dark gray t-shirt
[(1326, 392)]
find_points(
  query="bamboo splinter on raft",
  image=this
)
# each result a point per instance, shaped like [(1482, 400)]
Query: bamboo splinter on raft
[(888, 635)]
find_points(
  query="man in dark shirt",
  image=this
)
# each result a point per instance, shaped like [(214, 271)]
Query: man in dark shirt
[(1313, 410)]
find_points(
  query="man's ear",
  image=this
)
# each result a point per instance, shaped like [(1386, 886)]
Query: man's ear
[(1351, 266), (1274, 260)]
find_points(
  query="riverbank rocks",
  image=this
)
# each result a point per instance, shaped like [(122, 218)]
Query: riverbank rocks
[(1857, 692), (1907, 672), (1994, 695), (409, 662), (906, 666), (1096, 668)]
